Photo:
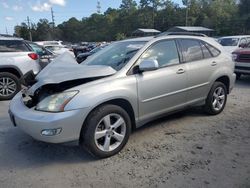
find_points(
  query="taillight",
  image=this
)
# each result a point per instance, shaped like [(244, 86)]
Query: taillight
[(33, 56)]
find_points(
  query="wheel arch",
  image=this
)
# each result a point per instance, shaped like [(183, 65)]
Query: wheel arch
[(11, 69), (225, 80), (123, 103)]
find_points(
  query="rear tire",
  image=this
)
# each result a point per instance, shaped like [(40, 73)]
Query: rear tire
[(106, 131), (216, 99), (9, 85)]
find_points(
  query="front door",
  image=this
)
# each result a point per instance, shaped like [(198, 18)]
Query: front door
[(164, 89)]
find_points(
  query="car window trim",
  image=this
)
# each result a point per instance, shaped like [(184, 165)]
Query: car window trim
[(205, 44), (130, 71), (197, 40)]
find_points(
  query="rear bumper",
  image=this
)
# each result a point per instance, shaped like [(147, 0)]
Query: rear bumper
[(34, 122), (243, 68)]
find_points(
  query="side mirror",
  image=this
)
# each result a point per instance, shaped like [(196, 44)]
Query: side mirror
[(148, 65)]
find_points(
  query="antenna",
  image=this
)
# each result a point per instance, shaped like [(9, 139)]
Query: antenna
[(98, 7), (28, 20), (53, 18)]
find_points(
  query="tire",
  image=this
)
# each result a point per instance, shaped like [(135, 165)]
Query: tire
[(216, 99), (9, 85), (99, 129), (238, 75)]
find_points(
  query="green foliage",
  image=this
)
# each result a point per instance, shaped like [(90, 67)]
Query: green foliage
[(120, 36), (226, 17)]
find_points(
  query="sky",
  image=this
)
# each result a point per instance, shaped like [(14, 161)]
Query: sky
[(14, 12)]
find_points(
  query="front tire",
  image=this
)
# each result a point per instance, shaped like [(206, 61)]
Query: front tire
[(216, 99), (9, 86), (106, 131)]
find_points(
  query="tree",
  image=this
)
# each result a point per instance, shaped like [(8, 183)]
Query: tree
[(22, 31), (244, 7), (43, 30), (226, 17), (128, 5)]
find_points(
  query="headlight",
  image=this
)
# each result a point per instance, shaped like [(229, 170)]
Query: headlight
[(234, 57), (56, 102)]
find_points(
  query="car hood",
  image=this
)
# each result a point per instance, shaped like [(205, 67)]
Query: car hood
[(65, 68)]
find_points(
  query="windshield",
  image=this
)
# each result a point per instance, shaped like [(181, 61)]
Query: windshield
[(229, 41), (115, 55)]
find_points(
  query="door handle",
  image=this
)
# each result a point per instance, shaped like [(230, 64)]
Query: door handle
[(213, 63), (180, 71)]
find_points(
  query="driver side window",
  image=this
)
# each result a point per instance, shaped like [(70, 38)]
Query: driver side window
[(164, 52)]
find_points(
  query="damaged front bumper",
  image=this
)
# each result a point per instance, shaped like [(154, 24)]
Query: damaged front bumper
[(35, 122)]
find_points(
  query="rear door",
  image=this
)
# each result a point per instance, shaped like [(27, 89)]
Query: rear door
[(201, 63), (163, 89)]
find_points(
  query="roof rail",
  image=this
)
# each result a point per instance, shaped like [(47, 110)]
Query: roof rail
[(182, 33)]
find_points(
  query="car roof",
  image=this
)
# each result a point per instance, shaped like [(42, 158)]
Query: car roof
[(138, 39), (164, 37), (235, 36), (152, 39)]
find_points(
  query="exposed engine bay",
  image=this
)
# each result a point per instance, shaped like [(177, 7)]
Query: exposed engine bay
[(62, 74)]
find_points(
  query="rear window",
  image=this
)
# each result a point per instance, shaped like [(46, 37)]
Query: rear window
[(206, 52), (214, 51), (191, 50), (13, 46)]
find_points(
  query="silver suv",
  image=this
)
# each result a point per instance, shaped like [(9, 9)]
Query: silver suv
[(16, 59), (122, 87)]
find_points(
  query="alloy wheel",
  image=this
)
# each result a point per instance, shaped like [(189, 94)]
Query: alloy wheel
[(110, 132), (7, 86), (218, 98)]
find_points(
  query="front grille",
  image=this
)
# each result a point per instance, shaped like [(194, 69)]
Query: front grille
[(244, 58)]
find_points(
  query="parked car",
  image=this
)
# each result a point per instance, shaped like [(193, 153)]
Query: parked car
[(81, 49), (58, 49), (16, 59), (242, 61), (45, 56), (53, 42), (122, 87), (232, 43), (81, 57)]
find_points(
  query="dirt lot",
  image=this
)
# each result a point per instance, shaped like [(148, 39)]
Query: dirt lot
[(188, 149)]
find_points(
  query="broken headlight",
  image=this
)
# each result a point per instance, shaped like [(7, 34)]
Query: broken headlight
[(56, 102)]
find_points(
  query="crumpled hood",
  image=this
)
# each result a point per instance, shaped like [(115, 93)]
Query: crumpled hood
[(65, 68)]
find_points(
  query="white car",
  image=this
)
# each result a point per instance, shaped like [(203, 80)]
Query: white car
[(232, 43), (53, 42), (58, 49), (16, 59)]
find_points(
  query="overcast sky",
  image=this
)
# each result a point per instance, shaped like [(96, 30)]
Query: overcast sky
[(13, 12)]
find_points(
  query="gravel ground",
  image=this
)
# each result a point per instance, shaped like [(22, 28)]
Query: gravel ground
[(188, 149)]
